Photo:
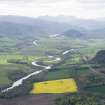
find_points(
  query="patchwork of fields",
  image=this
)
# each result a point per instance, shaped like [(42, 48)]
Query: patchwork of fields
[(23, 50)]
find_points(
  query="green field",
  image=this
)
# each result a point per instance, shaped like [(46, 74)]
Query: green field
[(24, 50)]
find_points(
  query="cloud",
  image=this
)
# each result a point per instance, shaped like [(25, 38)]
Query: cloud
[(31, 1), (33, 8), (92, 1), (93, 5), (54, 1)]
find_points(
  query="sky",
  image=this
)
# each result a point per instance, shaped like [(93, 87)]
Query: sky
[(87, 9)]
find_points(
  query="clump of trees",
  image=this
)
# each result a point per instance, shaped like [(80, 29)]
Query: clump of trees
[(17, 61), (15, 75), (21, 90), (79, 100)]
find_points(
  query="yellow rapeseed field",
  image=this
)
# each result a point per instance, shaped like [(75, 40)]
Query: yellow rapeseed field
[(55, 86)]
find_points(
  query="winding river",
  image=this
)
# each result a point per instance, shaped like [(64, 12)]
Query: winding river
[(34, 63), (35, 42)]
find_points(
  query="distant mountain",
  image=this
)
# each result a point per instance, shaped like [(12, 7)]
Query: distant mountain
[(46, 25), (88, 24), (18, 25), (18, 29), (73, 33), (60, 19), (17, 19), (90, 28)]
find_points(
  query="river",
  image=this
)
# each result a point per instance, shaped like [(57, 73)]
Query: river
[(34, 63)]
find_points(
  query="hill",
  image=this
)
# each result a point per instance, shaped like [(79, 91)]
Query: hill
[(73, 33), (46, 25), (18, 29), (100, 57), (18, 25), (92, 28)]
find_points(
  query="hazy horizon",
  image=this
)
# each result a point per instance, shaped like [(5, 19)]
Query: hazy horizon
[(86, 9)]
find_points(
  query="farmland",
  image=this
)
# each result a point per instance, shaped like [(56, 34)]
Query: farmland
[(17, 63), (56, 86)]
